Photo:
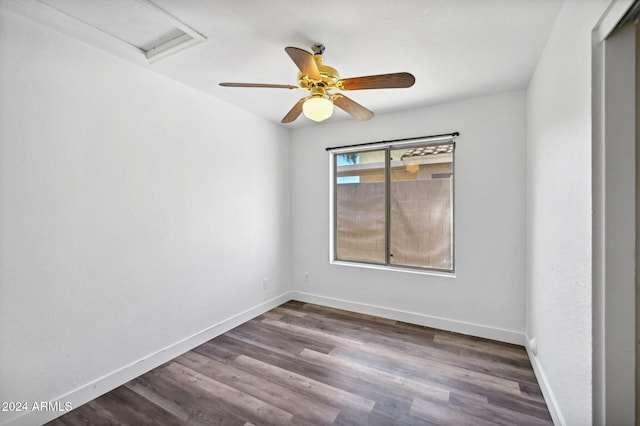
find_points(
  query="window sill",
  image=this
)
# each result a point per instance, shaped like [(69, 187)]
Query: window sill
[(433, 273)]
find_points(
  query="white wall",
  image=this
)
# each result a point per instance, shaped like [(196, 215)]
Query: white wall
[(134, 213), (559, 240), (486, 297)]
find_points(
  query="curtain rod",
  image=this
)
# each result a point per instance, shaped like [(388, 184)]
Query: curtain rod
[(395, 141)]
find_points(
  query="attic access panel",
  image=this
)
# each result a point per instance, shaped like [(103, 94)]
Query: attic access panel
[(138, 23)]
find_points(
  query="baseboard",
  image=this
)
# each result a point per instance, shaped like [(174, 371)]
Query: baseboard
[(549, 398), (473, 329), (116, 378)]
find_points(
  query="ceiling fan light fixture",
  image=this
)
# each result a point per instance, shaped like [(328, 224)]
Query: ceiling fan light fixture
[(317, 108), (320, 79)]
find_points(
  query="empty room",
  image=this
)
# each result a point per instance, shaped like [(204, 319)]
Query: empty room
[(380, 212)]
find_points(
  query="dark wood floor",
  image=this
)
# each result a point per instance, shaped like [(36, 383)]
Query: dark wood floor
[(304, 364)]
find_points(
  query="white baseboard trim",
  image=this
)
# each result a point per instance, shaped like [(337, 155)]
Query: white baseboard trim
[(549, 397), (479, 330), (104, 384)]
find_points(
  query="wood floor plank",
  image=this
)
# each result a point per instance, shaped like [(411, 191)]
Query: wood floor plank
[(329, 339), (282, 310), (434, 370), (495, 349), (499, 415), (317, 389), (399, 384), (295, 364), (306, 364), (202, 408), (532, 391), (531, 407), (237, 402), (390, 411), (316, 413), (338, 379), (363, 329), (267, 332), (445, 415), (124, 403), (159, 400)]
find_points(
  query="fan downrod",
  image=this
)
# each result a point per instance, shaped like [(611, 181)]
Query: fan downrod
[(317, 49)]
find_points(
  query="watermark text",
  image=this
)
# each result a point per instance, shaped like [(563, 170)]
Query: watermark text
[(18, 406)]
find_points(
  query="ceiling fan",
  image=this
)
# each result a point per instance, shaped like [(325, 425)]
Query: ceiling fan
[(319, 79)]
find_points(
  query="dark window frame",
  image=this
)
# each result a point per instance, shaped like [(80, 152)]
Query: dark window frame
[(388, 147)]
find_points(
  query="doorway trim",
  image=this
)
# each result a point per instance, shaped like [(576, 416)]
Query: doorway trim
[(614, 217)]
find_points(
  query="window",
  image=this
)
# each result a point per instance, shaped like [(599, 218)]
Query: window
[(393, 203)]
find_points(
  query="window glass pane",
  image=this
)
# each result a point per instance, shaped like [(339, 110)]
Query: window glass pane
[(421, 228), (360, 207)]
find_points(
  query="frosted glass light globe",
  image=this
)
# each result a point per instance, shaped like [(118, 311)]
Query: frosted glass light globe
[(317, 108)]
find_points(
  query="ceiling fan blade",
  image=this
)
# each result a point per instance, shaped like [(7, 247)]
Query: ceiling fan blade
[(381, 81), (294, 112), (270, 86), (352, 107), (305, 62)]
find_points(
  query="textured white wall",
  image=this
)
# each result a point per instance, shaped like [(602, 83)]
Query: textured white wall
[(559, 305), (487, 295), (130, 210)]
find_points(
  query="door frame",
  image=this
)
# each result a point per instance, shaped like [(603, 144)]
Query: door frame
[(614, 218)]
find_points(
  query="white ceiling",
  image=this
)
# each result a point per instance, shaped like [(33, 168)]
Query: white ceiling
[(454, 48)]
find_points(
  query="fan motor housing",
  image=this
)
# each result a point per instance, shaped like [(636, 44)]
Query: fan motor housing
[(329, 75)]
